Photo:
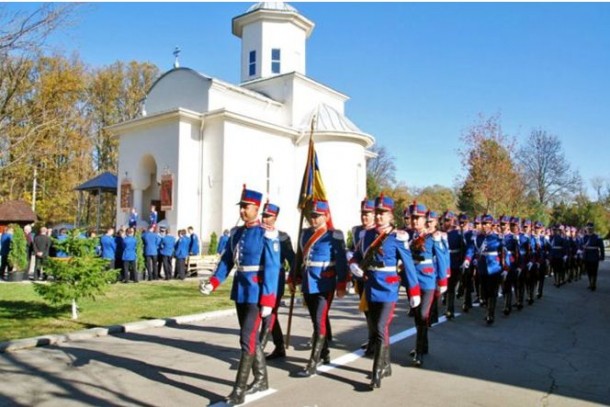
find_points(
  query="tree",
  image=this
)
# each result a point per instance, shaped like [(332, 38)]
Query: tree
[(492, 183), (438, 198), (18, 256), (213, 243), (545, 169), (82, 275), (380, 171)]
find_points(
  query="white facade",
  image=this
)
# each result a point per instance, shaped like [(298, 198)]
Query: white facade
[(213, 136)]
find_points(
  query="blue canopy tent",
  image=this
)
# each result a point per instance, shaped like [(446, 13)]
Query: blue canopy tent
[(105, 182)]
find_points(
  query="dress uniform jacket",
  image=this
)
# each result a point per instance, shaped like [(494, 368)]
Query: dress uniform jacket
[(457, 248), (559, 247), (166, 246), (151, 243), (182, 247), (255, 254), (129, 248), (431, 258), (593, 248), (108, 244), (383, 279), (488, 249), (324, 261)]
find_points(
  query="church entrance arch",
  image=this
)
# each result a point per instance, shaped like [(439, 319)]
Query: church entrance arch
[(148, 182)]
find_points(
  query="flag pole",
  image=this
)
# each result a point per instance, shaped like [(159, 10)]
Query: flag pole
[(298, 258)]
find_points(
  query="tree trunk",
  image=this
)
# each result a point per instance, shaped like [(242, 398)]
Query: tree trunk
[(74, 310)]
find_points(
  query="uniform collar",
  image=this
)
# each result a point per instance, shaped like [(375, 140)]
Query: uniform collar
[(252, 224)]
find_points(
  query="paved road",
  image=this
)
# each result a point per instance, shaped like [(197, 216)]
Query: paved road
[(553, 353)]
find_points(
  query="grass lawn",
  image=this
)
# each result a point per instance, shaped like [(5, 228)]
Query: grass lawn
[(24, 314)]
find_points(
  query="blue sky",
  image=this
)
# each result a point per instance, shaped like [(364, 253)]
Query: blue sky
[(418, 74)]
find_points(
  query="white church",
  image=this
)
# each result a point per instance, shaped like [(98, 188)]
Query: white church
[(199, 139)]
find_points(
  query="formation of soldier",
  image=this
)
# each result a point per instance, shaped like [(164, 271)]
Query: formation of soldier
[(480, 262)]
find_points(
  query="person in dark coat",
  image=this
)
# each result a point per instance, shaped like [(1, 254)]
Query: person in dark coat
[(41, 244)]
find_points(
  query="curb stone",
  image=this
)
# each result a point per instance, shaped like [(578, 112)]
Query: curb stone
[(46, 340)]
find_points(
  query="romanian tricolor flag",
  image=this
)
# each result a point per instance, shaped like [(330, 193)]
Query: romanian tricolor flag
[(312, 186)]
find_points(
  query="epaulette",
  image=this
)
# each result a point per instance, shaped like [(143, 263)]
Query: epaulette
[(272, 234), (338, 234), (402, 235), (284, 236)]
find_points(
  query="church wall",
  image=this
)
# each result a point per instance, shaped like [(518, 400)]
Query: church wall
[(212, 181), (159, 143), (231, 100), (291, 42), (193, 94)]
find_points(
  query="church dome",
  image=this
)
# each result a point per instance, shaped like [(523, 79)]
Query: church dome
[(272, 5), (330, 122)]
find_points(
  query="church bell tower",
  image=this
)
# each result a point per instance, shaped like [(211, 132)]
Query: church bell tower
[(273, 40)]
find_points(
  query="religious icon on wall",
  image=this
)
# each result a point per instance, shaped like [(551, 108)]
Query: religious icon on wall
[(167, 183), (126, 195)]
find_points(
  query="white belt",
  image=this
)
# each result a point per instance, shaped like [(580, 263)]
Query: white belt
[(248, 268), (429, 261), (389, 268), (489, 253), (558, 247), (319, 263), (455, 251)]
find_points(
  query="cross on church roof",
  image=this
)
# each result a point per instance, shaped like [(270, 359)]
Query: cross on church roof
[(176, 54)]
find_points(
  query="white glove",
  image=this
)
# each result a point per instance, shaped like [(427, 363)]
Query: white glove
[(356, 270), (442, 289), (206, 288), (565, 258), (349, 255), (266, 311), (504, 274), (414, 301), (466, 264), (529, 265)]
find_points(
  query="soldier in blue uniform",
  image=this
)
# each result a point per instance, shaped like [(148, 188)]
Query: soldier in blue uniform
[(593, 253), (166, 250), (367, 219), (376, 263), (487, 248), (133, 219), (151, 241), (431, 258), (194, 246), (323, 271), (455, 244), (510, 235), (181, 252), (255, 254), (129, 257), (153, 217), (540, 257), (271, 324), (559, 247), (108, 244)]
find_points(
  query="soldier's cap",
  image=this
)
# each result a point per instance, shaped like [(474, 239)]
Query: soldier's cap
[(432, 215), (477, 219), (487, 218), (527, 222), (463, 218), (320, 208), (384, 203), (448, 215), (505, 219), (538, 225), (406, 213), (271, 209), (418, 209), (250, 196), (367, 205), (590, 225), (515, 220)]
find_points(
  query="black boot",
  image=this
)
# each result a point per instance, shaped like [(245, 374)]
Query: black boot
[(491, 310), (238, 395), (259, 369), (386, 370), (377, 367), (314, 359), (418, 357)]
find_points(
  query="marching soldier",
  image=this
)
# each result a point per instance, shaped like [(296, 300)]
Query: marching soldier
[(323, 271), (559, 255), (488, 247), (255, 253), (431, 260), (593, 253), (271, 324), (367, 219), (431, 228), (376, 263), (540, 258), (510, 236), (457, 245), (527, 279)]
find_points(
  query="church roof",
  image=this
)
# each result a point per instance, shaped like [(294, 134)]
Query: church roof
[(272, 5), (330, 120)]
